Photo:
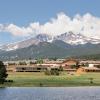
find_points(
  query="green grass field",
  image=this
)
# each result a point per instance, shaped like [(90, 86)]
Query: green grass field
[(26, 79)]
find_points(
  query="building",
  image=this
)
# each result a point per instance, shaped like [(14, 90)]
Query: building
[(67, 64), (29, 66), (90, 63), (32, 66)]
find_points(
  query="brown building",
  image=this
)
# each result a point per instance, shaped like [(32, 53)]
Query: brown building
[(69, 63)]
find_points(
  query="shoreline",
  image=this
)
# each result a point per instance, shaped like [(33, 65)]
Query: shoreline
[(54, 87)]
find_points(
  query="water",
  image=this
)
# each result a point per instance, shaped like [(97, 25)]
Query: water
[(51, 93)]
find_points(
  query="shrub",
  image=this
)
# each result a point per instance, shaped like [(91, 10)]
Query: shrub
[(60, 68), (10, 81), (47, 72), (54, 72)]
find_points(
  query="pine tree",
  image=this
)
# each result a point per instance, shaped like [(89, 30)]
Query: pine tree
[(3, 73)]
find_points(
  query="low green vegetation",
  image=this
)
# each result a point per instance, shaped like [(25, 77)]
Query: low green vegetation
[(29, 79), (53, 71)]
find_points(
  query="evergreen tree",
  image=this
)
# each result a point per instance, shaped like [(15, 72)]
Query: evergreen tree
[(3, 73)]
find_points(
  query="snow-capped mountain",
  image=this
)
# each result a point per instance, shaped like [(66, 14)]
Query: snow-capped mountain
[(44, 38), (68, 37), (26, 43), (75, 39)]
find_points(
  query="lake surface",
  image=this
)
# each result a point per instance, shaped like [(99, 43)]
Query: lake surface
[(50, 93)]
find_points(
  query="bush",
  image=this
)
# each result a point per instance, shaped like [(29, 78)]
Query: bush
[(47, 72), (10, 81), (52, 72), (60, 68), (40, 84), (22, 63)]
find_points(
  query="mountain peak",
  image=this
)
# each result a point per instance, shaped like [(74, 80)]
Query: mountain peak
[(43, 37), (76, 39), (67, 37)]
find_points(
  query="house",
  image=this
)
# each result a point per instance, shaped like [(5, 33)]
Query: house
[(30, 68), (69, 63), (90, 63)]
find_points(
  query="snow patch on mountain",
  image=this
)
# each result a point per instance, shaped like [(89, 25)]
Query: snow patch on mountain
[(75, 39), (68, 37)]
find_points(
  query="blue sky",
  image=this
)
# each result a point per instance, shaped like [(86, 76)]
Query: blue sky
[(24, 12)]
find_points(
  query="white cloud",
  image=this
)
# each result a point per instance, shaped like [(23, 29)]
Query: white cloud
[(18, 31), (87, 25)]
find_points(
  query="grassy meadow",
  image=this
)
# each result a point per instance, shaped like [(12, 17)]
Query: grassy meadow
[(30, 79)]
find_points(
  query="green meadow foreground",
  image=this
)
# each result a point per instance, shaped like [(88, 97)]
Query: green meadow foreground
[(29, 79)]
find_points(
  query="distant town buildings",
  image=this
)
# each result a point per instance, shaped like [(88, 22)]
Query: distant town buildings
[(66, 64)]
